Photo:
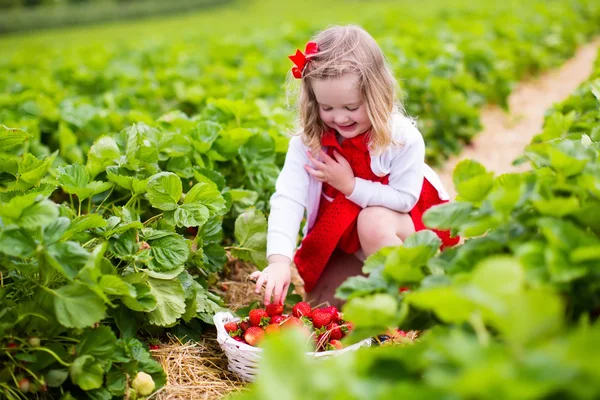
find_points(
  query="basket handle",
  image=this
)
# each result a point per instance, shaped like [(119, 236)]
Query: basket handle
[(219, 319)]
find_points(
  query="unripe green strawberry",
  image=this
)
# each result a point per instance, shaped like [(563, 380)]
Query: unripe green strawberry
[(143, 383)]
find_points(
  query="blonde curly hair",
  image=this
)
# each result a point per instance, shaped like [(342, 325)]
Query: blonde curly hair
[(345, 50)]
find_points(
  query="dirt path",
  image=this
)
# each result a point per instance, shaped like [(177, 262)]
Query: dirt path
[(505, 135)]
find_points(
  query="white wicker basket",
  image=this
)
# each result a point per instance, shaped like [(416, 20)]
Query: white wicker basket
[(243, 359)]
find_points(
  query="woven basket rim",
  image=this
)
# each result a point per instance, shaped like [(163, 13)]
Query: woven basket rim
[(226, 339)]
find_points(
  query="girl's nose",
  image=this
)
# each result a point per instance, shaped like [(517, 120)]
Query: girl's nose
[(340, 119)]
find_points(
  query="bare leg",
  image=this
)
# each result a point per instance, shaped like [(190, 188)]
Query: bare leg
[(381, 227), (340, 267)]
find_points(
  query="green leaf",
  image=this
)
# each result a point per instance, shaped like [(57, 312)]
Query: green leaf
[(449, 304), (55, 231), (113, 285), (126, 179), (188, 215), (207, 195), (377, 311), (557, 206), (87, 373), (230, 141), (100, 343), (11, 138), (102, 154), (499, 275), (56, 377), (446, 216), (164, 190), (16, 242), (144, 300), (472, 181), (38, 215), (168, 252), (67, 257), (204, 134), (76, 306), (251, 234), (170, 299), (68, 144)]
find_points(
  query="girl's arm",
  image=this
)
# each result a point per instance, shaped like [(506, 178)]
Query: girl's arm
[(405, 177), (288, 202)]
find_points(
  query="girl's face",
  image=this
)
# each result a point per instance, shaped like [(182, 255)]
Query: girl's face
[(341, 106)]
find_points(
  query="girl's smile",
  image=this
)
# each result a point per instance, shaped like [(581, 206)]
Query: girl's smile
[(341, 106)]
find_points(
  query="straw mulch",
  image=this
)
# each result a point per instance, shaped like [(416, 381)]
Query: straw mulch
[(195, 370)]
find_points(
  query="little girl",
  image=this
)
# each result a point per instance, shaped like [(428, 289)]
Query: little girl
[(357, 168)]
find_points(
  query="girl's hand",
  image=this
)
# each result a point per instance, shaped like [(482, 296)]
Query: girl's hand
[(276, 277), (337, 173)]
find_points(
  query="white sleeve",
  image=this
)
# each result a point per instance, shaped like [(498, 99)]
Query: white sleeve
[(288, 202), (405, 178)]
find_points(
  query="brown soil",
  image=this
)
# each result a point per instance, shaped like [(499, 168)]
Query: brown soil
[(505, 135)]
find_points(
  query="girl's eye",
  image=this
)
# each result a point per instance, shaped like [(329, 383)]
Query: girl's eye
[(325, 109), (351, 109)]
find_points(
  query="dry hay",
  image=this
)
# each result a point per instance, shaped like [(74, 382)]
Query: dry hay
[(238, 291), (195, 370)]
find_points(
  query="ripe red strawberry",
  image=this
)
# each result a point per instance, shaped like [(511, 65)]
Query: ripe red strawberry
[(320, 318), (154, 347), (335, 345), (278, 319), (334, 330), (254, 335), (239, 339), (231, 327), (335, 314), (244, 325), (274, 309), (258, 317), (403, 289), (302, 308)]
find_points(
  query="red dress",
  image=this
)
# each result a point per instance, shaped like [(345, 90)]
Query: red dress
[(336, 221)]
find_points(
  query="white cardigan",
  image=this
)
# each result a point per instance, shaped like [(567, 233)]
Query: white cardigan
[(296, 190)]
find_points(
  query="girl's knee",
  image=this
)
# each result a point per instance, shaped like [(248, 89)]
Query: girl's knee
[(374, 224)]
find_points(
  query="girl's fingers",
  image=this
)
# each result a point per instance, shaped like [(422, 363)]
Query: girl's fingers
[(269, 291), (316, 163), (260, 282), (284, 292), (316, 173), (339, 158), (325, 157), (277, 293)]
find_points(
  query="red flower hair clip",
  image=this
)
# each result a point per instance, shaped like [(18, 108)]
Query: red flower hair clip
[(300, 59)]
